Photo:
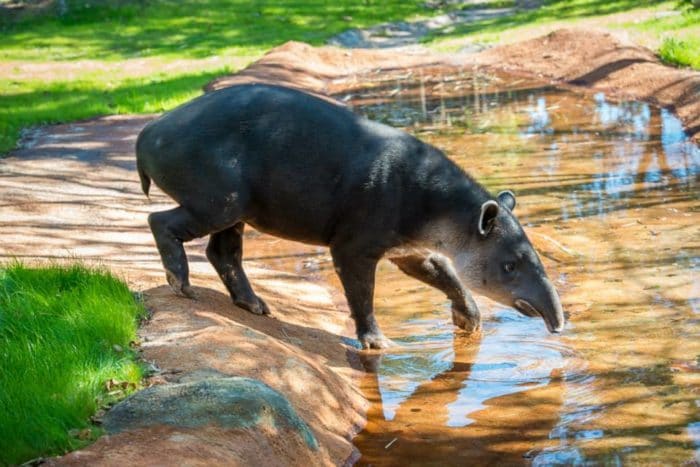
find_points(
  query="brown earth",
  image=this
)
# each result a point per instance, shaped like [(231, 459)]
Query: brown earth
[(604, 62), (71, 192), (589, 59)]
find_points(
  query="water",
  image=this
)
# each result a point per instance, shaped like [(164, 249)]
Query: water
[(609, 193)]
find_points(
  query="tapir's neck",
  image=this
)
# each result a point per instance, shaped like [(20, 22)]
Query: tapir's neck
[(452, 222)]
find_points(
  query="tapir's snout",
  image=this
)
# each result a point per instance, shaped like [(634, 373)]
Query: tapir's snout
[(545, 303)]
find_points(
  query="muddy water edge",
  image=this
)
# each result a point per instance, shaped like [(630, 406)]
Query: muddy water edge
[(609, 193)]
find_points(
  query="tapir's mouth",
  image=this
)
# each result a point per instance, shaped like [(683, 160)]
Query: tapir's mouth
[(525, 308)]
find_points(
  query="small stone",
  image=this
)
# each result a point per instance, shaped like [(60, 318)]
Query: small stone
[(83, 434), (152, 368)]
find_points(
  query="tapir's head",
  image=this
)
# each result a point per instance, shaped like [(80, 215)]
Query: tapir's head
[(501, 264)]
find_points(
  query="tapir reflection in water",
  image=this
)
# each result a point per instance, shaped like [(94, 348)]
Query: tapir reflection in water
[(299, 167)]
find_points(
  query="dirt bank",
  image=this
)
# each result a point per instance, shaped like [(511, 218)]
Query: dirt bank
[(595, 60), (71, 191), (602, 61)]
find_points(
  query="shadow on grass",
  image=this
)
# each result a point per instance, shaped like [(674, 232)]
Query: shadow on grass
[(200, 28), (140, 28), (63, 101), (552, 10)]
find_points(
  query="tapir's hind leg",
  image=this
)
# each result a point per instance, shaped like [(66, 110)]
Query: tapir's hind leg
[(225, 251), (436, 271), (170, 229)]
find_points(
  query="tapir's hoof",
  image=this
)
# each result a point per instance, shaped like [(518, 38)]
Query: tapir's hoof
[(256, 305), (375, 341), (464, 321), (180, 288)]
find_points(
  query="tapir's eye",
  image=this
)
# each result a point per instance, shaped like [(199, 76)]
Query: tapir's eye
[(509, 267)]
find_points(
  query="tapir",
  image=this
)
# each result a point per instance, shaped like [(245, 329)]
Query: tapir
[(300, 167)]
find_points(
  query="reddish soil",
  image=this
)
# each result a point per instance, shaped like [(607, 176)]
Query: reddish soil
[(72, 192), (601, 61), (589, 59)]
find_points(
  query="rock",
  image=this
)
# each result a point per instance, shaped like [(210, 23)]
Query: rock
[(352, 38), (473, 48), (230, 402), (405, 34)]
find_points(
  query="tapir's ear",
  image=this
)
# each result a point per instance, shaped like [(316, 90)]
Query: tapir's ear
[(507, 199), (489, 211)]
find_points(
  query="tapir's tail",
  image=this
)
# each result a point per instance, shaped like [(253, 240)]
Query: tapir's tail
[(145, 179)]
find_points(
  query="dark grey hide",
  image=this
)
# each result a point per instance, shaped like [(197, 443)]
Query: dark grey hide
[(302, 168)]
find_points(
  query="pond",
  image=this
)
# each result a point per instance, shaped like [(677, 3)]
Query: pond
[(609, 194)]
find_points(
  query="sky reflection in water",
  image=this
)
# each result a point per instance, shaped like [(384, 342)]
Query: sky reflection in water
[(635, 156)]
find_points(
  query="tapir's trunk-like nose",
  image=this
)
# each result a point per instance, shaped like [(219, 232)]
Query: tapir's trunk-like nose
[(549, 306), (545, 303)]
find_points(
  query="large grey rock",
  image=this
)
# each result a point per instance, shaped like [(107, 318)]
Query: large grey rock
[(231, 402)]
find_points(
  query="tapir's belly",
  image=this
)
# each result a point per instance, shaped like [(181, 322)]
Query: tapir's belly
[(296, 209), (298, 232)]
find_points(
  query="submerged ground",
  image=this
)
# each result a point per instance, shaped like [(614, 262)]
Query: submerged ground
[(607, 190)]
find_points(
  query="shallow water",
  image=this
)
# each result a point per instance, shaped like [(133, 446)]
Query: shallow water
[(609, 193)]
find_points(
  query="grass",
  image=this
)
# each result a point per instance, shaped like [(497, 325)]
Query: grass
[(34, 102), (192, 28), (679, 35), (158, 33), (166, 30), (550, 11), (681, 52), (59, 332), (674, 31)]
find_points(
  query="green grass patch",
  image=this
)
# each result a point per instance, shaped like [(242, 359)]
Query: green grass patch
[(681, 52), (110, 32), (550, 11), (191, 28), (58, 330), (36, 102), (679, 35)]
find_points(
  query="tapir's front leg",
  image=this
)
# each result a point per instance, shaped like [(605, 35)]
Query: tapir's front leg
[(357, 274), (436, 271)]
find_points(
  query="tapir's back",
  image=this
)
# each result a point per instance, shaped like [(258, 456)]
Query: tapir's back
[(303, 168), (261, 117), (285, 151)]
